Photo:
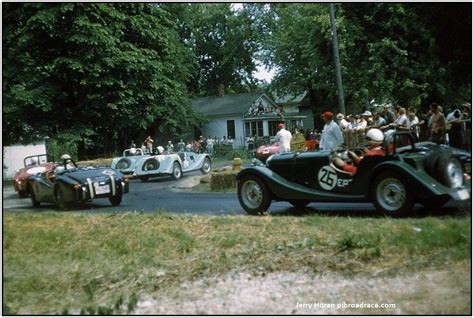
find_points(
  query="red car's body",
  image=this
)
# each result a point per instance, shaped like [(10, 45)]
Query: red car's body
[(265, 151), (33, 165)]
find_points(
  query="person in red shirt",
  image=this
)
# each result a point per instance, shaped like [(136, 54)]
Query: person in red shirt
[(375, 140)]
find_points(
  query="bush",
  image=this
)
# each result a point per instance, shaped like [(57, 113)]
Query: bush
[(229, 153)]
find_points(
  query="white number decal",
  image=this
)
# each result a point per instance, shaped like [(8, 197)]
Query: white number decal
[(327, 177)]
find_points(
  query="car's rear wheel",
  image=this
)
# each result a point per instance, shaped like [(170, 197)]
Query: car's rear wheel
[(60, 200), (391, 196), (206, 166), (253, 194), (299, 203), (176, 173), (22, 193), (116, 199), (34, 202)]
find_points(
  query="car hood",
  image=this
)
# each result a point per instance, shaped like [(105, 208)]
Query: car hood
[(81, 175)]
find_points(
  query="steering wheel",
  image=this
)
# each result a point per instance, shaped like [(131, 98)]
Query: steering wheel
[(341, 153)]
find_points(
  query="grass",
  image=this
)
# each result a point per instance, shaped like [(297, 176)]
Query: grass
[(63, 263)]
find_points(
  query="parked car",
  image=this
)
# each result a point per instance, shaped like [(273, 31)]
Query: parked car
[(33, 165), (172, 164), (126, 164), (424, 172), (65, 183)]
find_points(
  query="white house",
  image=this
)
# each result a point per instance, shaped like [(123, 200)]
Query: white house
[(239, 116), (13, 156)]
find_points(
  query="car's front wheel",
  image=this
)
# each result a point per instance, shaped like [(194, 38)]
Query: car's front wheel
[(391, 196), (176, 173), (253, 194), (116, 199), (60, 200), (22, 193), (206, 166), (34, 202)]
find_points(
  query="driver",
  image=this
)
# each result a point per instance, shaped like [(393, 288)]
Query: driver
[(375, 139)]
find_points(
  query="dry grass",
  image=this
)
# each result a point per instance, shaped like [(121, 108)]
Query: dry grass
[(96, 162), (60, 262)]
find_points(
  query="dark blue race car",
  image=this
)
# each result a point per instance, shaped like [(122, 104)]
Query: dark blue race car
[(65, 184), (423, 172)]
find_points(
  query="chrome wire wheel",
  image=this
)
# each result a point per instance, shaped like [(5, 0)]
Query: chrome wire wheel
[(391, 194), (176, 174), (455, 175), (252, 194), (206, 166)]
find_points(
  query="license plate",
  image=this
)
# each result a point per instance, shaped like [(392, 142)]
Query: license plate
[(102, 189)]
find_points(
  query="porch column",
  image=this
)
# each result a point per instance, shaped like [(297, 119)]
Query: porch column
[(266, 131)]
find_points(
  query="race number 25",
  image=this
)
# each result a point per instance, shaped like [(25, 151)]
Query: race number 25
[(327, 178)]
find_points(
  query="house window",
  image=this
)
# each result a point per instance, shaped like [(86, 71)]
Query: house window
[(272, 128), (231, 129), (253, 128)]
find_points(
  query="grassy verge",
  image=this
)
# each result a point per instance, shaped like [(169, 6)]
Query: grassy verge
[(57, 263)]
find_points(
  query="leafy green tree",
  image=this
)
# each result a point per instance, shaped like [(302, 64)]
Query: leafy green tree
[(97, 73)]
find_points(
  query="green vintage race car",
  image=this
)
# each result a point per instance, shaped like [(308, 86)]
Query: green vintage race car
[(423, 172)]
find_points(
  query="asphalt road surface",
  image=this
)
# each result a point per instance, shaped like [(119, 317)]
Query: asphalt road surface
[(165, 195)]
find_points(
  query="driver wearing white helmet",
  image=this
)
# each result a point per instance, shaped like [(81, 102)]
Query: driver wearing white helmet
[(375, 139)]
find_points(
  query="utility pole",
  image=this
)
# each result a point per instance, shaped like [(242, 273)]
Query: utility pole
[(335, 51)]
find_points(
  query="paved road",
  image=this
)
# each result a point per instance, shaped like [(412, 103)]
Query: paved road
[(163, 194)]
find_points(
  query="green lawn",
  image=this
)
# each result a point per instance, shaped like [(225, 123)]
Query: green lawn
[(101, 263)]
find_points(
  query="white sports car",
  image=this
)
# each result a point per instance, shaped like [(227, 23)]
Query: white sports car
[(173, 164)]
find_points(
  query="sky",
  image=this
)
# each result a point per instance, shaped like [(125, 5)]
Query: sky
[(263, 74)]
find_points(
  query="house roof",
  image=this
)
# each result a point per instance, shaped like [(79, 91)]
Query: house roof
[(235, 104), (289, 98)]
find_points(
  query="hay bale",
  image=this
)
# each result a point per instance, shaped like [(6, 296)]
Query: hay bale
[(223, 180), (206, 179)]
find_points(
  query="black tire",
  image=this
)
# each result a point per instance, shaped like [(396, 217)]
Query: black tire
[(116, 199), (177, 173), (35, 203), (206, 166), (449, 171), (151, 164), (144, 179), (253, 194), (391, 195), (59, 197), (22, 193), (299, 204)]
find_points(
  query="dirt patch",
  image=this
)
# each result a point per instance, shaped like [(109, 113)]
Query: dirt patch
[(425, 292)]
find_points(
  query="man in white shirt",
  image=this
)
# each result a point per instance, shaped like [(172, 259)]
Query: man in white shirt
[(331, 137), (343, 123), (283, 137)]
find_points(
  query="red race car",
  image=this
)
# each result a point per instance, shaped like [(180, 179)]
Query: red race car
[(265, 151), (33, 165)]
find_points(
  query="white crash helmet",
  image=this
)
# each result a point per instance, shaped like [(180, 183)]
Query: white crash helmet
[(160, 149), (374, 136), (33, 161), (133, 151)]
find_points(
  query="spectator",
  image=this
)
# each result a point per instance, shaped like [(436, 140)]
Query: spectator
[(455, 133), (342, 122), (378, 121), (388, 115), (149, 144), (283, 137), (181, 145), (132, 144), (170, 147), (331, 136), (210, 145), (437, 125)]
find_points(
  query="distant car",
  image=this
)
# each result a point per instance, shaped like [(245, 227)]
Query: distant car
[(33, 165), (424, 172), (172, 164), (65, 183), (126, 164), (265, 151)]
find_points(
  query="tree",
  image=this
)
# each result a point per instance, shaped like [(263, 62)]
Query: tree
[(95, 73)]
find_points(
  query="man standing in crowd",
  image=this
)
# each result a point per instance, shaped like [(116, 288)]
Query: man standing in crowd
[(283, 137), (388, 115), (331, 137), (437, 125), (149, 144)]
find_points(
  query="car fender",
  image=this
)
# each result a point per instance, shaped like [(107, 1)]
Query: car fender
[(66, 184), (425, 185), (283, 189)]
